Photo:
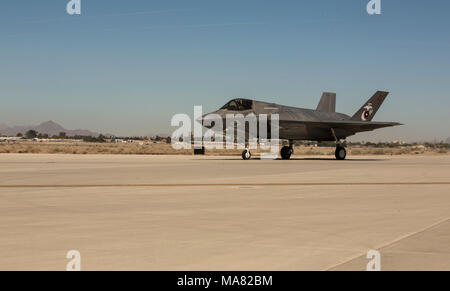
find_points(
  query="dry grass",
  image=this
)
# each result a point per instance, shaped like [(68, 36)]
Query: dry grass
[(83, 148), (89, 148)]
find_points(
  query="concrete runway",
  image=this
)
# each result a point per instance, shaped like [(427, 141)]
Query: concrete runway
[(223, 213)]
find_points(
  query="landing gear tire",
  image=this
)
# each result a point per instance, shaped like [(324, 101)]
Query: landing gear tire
[(340, 153), (246, 155), (286, 153)]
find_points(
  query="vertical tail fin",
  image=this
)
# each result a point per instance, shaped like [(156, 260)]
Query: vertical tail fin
[(328, 102), (368, 110)]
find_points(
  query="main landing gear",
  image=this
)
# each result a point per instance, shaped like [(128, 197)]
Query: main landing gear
[(340, 152), (287, 151)]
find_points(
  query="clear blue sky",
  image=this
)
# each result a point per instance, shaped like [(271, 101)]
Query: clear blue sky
[(126, 67)]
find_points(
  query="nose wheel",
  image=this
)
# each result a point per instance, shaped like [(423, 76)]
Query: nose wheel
[(246, 155), (340, 153)]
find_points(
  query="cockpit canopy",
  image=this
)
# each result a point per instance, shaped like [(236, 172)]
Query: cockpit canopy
[(238, 105)]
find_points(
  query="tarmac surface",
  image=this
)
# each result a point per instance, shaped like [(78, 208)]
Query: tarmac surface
[(222, 213)]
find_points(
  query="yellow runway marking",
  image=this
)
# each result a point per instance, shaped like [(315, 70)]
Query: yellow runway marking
[(226, 185)]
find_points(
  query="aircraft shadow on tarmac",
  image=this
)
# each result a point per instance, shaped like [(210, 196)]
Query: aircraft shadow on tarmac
[(298, 159)]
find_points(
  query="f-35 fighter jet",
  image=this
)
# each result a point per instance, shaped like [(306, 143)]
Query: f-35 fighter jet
[(321, 124)]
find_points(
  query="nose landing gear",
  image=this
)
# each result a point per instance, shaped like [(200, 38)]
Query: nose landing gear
[(246, 155)]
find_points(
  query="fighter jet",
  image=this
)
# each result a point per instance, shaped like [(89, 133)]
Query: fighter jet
[(321, 124)]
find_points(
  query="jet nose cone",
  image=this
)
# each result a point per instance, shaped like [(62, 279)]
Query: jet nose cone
[(206, 120), (202, 118), (210, 119)]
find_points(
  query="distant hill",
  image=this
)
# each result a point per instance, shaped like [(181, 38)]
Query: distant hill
[(48, 127), (447, 140)]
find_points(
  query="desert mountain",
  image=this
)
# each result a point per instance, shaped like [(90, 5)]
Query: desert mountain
[(48, 127)]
